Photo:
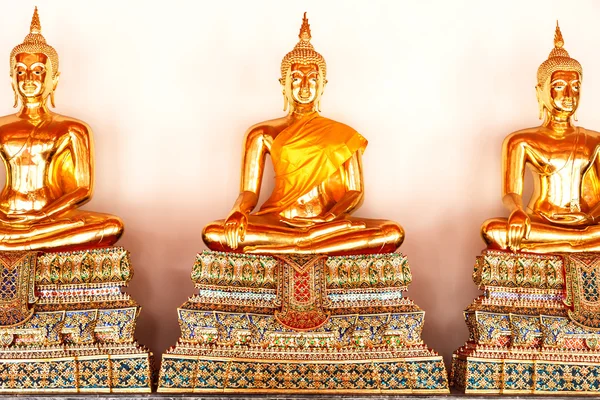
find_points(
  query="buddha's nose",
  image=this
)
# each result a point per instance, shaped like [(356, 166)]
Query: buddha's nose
[(568, 92)]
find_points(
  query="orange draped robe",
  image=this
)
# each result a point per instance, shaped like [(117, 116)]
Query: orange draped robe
[(305, 155)]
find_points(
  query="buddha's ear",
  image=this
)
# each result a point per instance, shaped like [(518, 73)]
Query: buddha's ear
[(282, 83), (539, 94), (55, 81), (54, 85), (12, 84), (323, 82), (285, 99)]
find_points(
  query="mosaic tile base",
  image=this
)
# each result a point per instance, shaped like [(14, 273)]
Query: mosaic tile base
[(301, 324), (66, 326), (514, 376), (535, 328), (108, 370), (197, 374)]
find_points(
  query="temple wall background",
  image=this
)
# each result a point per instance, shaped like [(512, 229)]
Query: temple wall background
[(170, 87)]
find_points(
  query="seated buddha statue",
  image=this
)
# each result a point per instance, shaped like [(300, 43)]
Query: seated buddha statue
[(563, 211), (318, 177), (49, 162)]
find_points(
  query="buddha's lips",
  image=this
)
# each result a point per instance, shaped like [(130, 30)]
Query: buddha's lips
[(30, 88)]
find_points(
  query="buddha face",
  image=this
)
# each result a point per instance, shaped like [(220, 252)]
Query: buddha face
[(305, 83), (31, 76), (564, 92)]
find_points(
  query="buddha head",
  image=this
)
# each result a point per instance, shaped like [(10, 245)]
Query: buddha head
[(559, 82), (34, 67), (303, 73)]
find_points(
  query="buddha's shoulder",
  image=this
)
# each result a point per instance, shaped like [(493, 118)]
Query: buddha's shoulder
[(532, 134), (590, 133), (527, 135), (267, 129), (334, 124), (66, 125), (8, 120), (57, 125)]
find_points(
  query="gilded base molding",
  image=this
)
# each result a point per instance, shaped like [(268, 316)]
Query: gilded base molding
[(310, 324), (66, 326), (535, 328)]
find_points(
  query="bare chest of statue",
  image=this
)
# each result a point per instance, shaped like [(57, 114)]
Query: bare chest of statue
[(28, 153), (559, 165)]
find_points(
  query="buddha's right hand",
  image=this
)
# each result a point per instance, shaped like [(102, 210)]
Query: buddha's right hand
[(519, 226), (235, 229)]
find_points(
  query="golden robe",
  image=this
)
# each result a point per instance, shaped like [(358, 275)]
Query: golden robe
[(305, 155)]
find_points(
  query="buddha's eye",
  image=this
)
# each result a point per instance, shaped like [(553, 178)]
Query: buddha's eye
[(37, 72)]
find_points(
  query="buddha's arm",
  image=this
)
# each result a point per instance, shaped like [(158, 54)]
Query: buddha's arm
[(594, 212), (5, 219), (352, 198), (514, 157), (253, 163), (353, 180)]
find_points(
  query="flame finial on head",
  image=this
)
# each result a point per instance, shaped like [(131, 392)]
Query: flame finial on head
[(35, 42), (558, 39), (304, 52), (305, 30), (558, 60), (36, 26)]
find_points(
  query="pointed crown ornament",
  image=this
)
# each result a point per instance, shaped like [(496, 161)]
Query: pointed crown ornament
[(558, 60), (303, 53), (35, 43)]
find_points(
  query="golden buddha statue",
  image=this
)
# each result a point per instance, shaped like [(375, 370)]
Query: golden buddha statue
[(313, 281), (49, 162), (561, 215), (318, 177)]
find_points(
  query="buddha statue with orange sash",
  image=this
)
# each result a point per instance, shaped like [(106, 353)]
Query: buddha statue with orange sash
[(294, 293), (318, 177)]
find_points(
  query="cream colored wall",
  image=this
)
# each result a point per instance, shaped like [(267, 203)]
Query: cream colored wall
[(169, 88)]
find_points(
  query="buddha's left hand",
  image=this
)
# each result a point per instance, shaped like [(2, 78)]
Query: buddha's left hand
[(28, 217), (574, 218), (303, 222)]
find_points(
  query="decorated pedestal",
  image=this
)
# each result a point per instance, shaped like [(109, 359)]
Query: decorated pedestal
[(301, 324), (65, 325), (536, 328)]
